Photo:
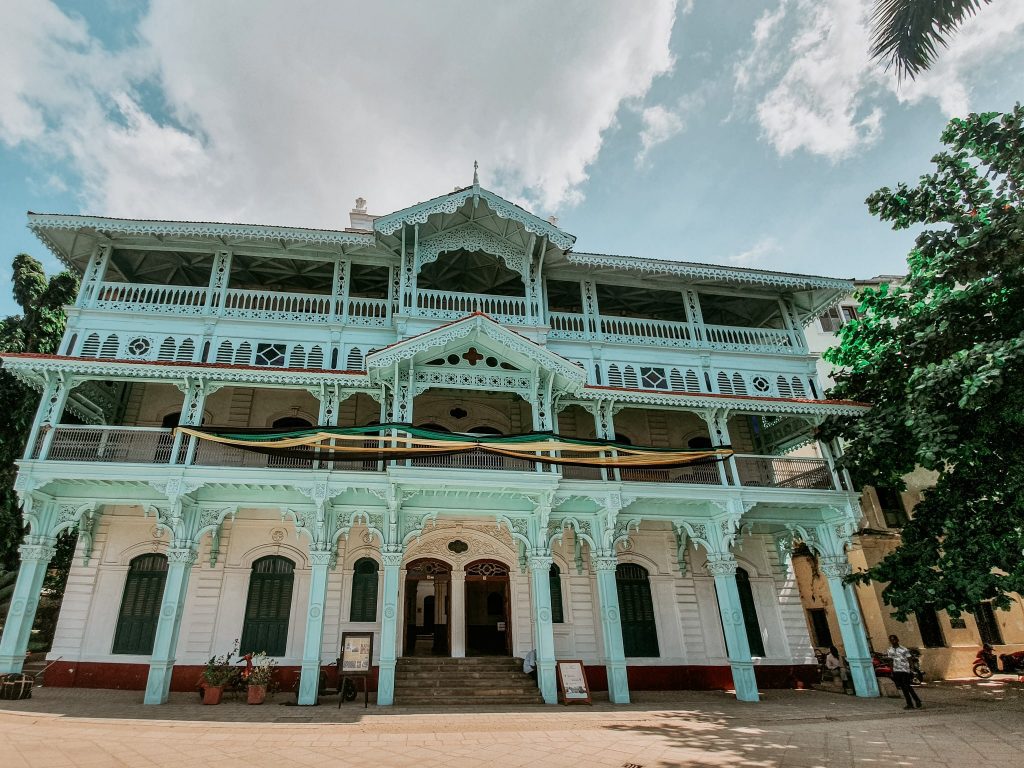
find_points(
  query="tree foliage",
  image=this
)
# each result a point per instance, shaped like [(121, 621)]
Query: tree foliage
[(940, 357), (38, 329), (905, 33)]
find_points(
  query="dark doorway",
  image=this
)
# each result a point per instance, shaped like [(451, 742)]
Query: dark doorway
[(488, 619), (427, 604)]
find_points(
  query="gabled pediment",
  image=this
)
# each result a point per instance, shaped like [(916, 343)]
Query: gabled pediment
[(473, 204), (476, 344)]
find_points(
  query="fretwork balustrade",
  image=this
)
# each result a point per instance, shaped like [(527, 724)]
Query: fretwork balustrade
[(451, 305)]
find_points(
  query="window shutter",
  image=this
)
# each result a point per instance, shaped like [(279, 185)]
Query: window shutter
[(268, 606), (753, 628), (140, 605), (636, 609), (555, 581), (364, 591)]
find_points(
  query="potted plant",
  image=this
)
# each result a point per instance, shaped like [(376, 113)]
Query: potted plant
[(217, 673), (260, 675)]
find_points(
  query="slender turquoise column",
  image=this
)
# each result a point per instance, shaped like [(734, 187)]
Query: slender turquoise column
[(543, 630), (723, 568), (179, 566), (309, 682), (851, 626), (611, 629), (35, 558), (392, 562)]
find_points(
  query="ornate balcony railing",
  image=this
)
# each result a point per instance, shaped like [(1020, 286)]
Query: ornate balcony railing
[(371, 312), (451, 305), (175, 299), (755, 339), (152, 445), (784, 472), (568, 325), (629, 330), (275, 305)]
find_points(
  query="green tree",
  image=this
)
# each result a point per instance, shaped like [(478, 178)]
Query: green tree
[(905, 33), (940, 357), (38, 329)]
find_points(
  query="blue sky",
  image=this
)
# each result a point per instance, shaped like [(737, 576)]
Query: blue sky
[(744, 133)]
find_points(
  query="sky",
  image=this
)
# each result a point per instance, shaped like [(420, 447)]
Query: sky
[(746, 132)]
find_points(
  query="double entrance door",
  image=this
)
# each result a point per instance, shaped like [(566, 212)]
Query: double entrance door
[(439, 621)]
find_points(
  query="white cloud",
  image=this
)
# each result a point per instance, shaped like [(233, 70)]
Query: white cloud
[(758, 252), (284, 113), (816, 89), (659, 125)]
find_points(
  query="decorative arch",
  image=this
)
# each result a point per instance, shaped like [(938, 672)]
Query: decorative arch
[(644, 561), (153, 546), (470, 238), (260, 551)]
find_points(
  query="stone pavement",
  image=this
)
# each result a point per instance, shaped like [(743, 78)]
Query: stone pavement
[(965, 723)]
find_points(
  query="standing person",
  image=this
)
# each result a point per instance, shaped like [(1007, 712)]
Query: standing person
[(901, 674)]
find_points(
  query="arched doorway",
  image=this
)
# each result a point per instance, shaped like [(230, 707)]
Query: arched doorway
[(427, 605), (488, 615), (291, 422)]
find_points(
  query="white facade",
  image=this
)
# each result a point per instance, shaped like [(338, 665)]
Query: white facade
[(463, 314)]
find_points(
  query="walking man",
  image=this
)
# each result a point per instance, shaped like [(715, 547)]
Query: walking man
[(901, 674)]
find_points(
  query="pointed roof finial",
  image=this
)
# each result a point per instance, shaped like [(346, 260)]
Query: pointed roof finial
[(476, 176)]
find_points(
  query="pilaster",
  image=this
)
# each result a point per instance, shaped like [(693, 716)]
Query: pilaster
[(392, 562), (611, 629), (851, 624), (723, 567), (180, 560), (36, 554), (458, 595), (309, 682), (543, 629)]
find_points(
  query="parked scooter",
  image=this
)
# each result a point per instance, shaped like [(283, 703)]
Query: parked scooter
[(986, 665)]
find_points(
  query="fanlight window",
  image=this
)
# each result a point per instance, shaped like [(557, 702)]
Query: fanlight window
[(268, 606)]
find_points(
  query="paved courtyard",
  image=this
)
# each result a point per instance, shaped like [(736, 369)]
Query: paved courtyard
[(963, 724)]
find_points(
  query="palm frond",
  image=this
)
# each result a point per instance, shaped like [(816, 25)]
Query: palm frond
[(905, 34)]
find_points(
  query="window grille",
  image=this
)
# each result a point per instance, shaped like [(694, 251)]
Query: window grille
[(270, 355)]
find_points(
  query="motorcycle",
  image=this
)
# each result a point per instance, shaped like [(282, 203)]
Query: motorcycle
[(986, 665)]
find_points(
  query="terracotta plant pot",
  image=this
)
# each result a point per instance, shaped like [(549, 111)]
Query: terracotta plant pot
[(212, 694), (257, 694)]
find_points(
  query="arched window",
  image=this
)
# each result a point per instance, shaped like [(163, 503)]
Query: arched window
[(754, 638), (364, 591), (268, 606), (555, 580), (639, 634), (140, 605)]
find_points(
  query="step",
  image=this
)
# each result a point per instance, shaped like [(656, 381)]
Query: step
[(461, 675), (442, 693), (456, 701)]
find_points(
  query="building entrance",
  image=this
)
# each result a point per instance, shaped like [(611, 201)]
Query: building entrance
[(488, 614), (427, 606)]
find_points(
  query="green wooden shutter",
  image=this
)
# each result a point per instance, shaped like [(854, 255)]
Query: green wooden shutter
[(555, 580), (140, 605), (636, 609), (268, 606), (754, 638), (364, 591)]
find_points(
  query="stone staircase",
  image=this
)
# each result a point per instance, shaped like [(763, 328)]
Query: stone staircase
[(437, 681)]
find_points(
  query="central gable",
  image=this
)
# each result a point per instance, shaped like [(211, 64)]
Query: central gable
[(476, 345)]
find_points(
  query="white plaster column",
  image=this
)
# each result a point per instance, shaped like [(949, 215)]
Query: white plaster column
[(56, 389), (180, 560), (611, 629), (723, 567), (543, 630), (851, 625), (36, 554), (92, 280), (458, 614), (392, 562), (309, 682)]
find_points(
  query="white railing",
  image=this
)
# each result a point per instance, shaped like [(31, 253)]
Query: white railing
[(567, 325), (274, 305), (474, 460), (372, 312), (766, 339), (704, 474), (784, 472), (177, 299), (643, 330), (130, 445), (451, 305)]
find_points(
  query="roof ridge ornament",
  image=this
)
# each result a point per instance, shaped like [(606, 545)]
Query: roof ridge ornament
[(476, 175)]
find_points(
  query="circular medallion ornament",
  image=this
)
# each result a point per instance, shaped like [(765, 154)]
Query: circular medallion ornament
[(545, 615), (613, 615), (457, 546), (389, 612), (277, 535), (167, 611), (315, 611)]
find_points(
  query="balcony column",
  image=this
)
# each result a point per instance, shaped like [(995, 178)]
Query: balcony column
[(312, 647), (392, 563), (36, 553), (826, 454), (95, 273), (611, 627), (793, 325), (722, 565), (195, 391), (457, 618), (591, 310), (691, 305), (718, 429), (56, 388), (217, 289), (412, 273)]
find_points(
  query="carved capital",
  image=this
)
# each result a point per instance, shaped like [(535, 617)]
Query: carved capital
[(835, 566), (540, 563), (36, 553), (605, 562), (721, 565), (321, 557), (391, 559), (182, 556)]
